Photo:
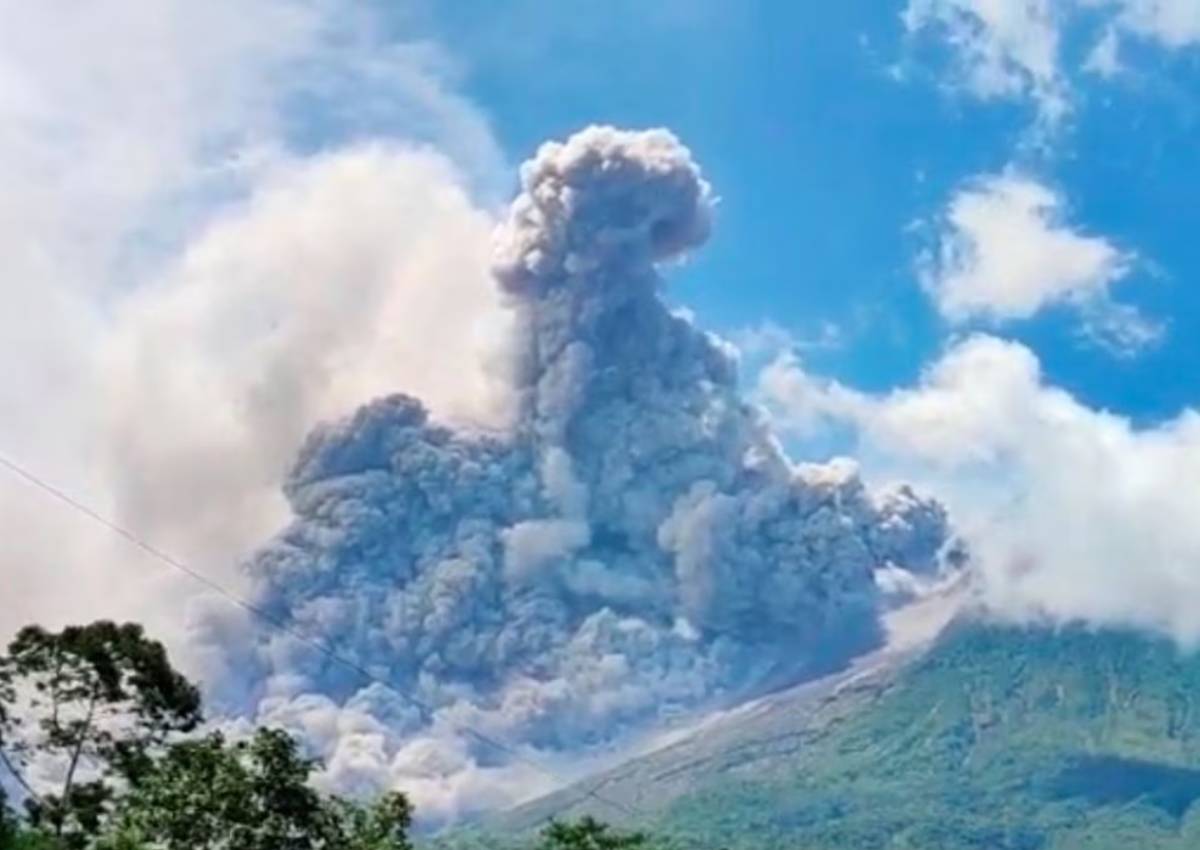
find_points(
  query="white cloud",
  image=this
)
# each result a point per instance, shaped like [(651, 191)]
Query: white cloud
[(1104, 58), (172, 260), (805, 404), (342, 278), (1012, 49), (1004, 253), (1003, 250), (767, 337), (1004, 48), (1119, 329), (1172, 23), (1071, 512)]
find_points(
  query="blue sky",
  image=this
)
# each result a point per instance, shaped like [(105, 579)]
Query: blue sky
[(828, 130)]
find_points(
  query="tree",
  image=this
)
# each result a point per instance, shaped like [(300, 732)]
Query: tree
[(250, 795), (7, 825), (588, 833), (96, 702), (102, 704)]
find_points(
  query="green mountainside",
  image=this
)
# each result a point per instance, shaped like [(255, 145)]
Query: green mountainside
[(997, 738)]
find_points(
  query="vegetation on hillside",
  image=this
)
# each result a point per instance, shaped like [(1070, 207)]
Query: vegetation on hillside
[(1000, 739)]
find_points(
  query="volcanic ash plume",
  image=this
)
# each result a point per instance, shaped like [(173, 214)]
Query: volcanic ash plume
[(634, 547)]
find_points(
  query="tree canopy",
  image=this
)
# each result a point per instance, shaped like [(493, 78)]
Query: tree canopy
[(252, 795), (100, 707), (92, 702)]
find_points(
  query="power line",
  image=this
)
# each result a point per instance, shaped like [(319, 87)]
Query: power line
[(16, 774), (323, 647)]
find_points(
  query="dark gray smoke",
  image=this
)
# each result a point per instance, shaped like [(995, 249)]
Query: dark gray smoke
[(636, 546)]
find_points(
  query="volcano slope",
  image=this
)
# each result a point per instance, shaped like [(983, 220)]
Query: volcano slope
[(998, 737)]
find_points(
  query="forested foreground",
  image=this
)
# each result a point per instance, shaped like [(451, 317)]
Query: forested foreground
[(100, 709)]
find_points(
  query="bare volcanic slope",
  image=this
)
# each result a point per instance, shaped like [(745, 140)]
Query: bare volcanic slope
[(759, 739)]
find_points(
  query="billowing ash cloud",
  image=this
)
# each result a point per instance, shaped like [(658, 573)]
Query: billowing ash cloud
[(635, 546)]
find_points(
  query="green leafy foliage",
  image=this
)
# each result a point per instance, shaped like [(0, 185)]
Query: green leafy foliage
[(252, 795), (584, 833), (104, 699), (587, 833), (95, 699), (18, 838)]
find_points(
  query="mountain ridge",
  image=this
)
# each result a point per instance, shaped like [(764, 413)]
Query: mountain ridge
[(994, 736)]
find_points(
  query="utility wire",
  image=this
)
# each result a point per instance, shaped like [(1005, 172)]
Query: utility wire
[(323, 647), (16, 774)]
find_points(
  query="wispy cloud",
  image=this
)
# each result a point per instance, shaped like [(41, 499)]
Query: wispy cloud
[(1172, 23), (1120, 329), (1013, 49), (770, 338), (1004, 49)]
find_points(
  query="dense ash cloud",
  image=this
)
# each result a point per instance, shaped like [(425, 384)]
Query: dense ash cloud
[(636, 544)]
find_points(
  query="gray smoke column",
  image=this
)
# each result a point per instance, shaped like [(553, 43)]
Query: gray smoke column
[(636, 546)]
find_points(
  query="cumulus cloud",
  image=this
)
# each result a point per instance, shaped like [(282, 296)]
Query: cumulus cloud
[(634, 544), (1003, 250), (1005, 253), (1070, 513)]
